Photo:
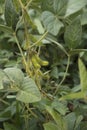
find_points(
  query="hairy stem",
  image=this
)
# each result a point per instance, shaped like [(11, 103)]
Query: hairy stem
[(24, 60)]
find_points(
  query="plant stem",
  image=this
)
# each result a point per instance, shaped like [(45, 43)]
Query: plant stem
[(27, 106), (21, 4), (30, 1), (43, 36), (3, 101), (24, 60)]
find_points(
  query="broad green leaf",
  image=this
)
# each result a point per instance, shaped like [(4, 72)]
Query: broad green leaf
[(6, 29), (8, 126), (84, 18), (51, 22), (39, 26), (54, 72), (2, 1), (60, 107), (70, 119), (28, 92), (50, 126), (60, 6), (5, 115), (78, 121), (73, 34), (15, 75), (83, 75), (5, 82), (73, 16), (76, 88), (58, 118), (11, 16), (74, 6), (83, 125), (32, 125), (7, 112), (47, 5), (17, 5)]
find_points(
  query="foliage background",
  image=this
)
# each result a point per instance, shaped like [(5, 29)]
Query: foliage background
[(35, 94)]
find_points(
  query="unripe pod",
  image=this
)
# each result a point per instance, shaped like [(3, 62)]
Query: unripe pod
[(44, 63), (41, 62), (35, 63)]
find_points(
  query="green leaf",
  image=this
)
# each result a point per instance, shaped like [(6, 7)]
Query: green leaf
[(73, 34), (11, 15), (76, 88), (8, 126), (28, 92), (2, 75), (58, 118), (74, 6), (71, 96), (83, 75), (51, 22), (78, 121), (70, 119), (60, 6), (60, 107), (17, 5), (2, 1), (54, 72), (50, 126), (47, 5), (39, 26), (5, 115), (11, 78), (83, 125), (84, 18), (6, 29), (15, 75), (76, 51)]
